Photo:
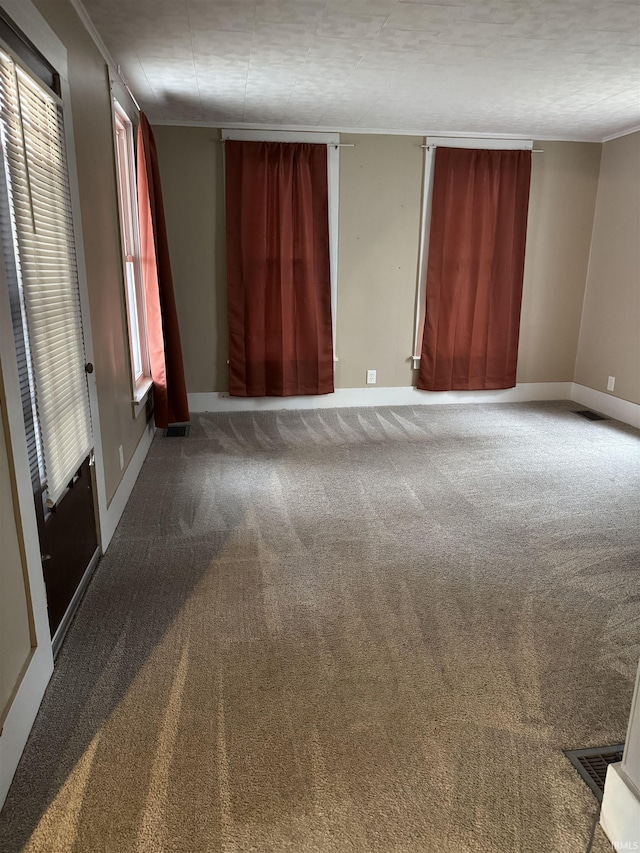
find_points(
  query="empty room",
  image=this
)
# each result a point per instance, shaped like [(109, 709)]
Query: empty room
[(320, 426)]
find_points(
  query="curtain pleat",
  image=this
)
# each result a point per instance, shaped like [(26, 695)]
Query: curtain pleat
[(475, 269), (278, 274), (163, 331)]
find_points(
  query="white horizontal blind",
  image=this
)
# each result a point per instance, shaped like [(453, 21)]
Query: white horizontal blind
[(40, 209)]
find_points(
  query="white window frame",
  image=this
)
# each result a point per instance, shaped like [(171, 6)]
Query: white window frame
[(124, 151), (431, 143), (332, 141)]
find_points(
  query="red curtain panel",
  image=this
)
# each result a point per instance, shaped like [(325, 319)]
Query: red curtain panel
[(163, 332), (278, 279), (474, 273)]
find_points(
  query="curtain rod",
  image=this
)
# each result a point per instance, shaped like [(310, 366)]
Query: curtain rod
[(533, 150)]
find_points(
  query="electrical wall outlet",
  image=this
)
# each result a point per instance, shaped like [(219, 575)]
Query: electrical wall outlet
[(611, 383), (371, 377), (121, 456)]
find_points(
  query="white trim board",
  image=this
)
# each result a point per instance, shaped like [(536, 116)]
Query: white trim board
[(620, 814), (39, 665), (113, 514), (402, 396), (630, 765), (26, 702), (25, 15), (607, 404), (22, 714), (524, 392), (247, 135), (479, 142)]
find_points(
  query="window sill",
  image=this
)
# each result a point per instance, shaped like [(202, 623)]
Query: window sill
[(141, 395)]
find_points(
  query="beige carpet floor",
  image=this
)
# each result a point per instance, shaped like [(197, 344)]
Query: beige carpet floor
[(355, 630)]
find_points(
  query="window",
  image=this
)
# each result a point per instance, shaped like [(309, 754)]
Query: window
[(431, 144), (40, 261), (476, 197), (332, 141), (134, 290)]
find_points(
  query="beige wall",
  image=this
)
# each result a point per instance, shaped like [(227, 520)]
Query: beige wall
[(15, 635), (610, 332), (379, 222), (564, 182), (378, 245), (193, 191), (91, 107)]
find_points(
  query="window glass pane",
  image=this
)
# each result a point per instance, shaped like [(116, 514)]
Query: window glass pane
[(133, 312), (127, 202)]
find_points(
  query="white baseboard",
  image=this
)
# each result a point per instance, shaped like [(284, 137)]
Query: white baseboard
[(38, 668), (620, 813), (22, 713), (607, 404), (373, 396), (112, 516)]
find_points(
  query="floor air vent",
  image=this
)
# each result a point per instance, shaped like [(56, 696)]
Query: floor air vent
[(177, 431), (591, 416), (592, 764)]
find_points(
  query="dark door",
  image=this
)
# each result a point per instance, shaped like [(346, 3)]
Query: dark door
[(68, 542)]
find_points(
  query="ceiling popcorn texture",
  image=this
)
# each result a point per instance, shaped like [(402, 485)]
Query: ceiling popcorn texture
[(561, 69)]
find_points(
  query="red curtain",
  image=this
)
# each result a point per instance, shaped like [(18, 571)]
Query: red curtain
[(278, 279), (474, 275), (163, 332)]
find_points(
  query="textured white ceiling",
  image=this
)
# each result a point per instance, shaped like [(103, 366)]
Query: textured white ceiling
[(559, 69)]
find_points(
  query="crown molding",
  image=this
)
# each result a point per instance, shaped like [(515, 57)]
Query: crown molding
[(373, 131), (114, 68), (95, 35), (622, 133)]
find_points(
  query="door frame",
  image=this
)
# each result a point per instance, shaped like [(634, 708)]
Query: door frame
[(39, 664)]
